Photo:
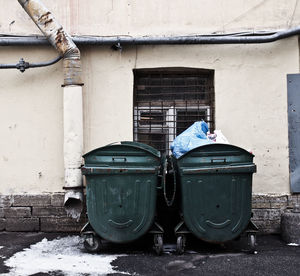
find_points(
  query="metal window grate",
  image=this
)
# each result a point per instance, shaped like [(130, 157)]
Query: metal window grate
[(168, 101)]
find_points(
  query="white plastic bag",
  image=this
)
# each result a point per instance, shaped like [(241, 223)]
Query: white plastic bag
[(220, 137)]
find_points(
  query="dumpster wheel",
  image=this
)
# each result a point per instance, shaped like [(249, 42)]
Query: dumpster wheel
[(92, 243), (158, 244), (180, 246)]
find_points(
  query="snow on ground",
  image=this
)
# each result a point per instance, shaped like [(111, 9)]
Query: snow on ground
[(293, 244), (62, 254), (1, 247)]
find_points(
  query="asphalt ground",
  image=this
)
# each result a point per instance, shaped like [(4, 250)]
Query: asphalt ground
[(273, 256)]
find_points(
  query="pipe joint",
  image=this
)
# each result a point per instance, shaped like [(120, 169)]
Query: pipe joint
[(72, 53), (72, 70), (22, 65), (57, 36)]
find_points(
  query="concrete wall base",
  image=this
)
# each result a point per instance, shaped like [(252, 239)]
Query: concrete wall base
[(267, 210), (37, 213), (46, 213)]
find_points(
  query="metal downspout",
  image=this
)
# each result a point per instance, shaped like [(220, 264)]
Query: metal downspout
[(73, 125)]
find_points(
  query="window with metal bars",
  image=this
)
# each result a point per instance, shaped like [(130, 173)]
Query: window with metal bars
[(168, 101)]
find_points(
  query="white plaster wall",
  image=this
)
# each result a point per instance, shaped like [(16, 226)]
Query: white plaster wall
[(156, 17), (31, 129), (251, 106), (251, 97), (108, 95)]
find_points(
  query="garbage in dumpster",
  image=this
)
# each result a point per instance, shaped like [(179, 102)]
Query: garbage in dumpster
[(221, 139), (212, 136), (196, 135), (193, 137)]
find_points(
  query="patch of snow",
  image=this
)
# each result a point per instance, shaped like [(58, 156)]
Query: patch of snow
[(293, 244), (62, 254), (1, 247)]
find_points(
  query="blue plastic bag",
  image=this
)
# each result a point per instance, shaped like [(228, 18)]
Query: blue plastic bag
[(191, 138)]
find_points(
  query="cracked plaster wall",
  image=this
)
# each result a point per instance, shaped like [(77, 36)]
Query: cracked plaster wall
[(251, 106), (139, 18), (250, 83)]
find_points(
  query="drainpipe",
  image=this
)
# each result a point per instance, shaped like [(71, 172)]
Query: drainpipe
[(72, 90)]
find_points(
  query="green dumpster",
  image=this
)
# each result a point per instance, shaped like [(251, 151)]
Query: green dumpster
[(121, 190), (215, 183)]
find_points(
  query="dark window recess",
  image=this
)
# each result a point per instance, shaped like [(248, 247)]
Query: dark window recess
[(184, 119), (168, 101), (151, 118)]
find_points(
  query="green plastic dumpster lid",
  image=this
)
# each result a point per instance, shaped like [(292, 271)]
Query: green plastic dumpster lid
[(216, 147), (142, 146)]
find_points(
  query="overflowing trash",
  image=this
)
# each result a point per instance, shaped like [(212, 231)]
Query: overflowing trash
[(194, 136), (221, 139)]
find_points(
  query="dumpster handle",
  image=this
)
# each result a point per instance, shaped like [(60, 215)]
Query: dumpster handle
[(218, 160), (119, 159), (165, 172)]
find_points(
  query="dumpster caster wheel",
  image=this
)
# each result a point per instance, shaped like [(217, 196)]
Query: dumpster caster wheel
[(158, 244), (180, 245), (92, 243), (252, 243)]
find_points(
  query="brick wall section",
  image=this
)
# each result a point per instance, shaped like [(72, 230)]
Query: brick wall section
[(1, 212), (5, 201), (267, 210), (37, 213), (46, 213)]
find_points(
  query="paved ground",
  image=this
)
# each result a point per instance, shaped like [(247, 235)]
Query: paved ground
[(273, 258)]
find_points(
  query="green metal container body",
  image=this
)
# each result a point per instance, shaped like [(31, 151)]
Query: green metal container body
[(216, 190), (121, 190)]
